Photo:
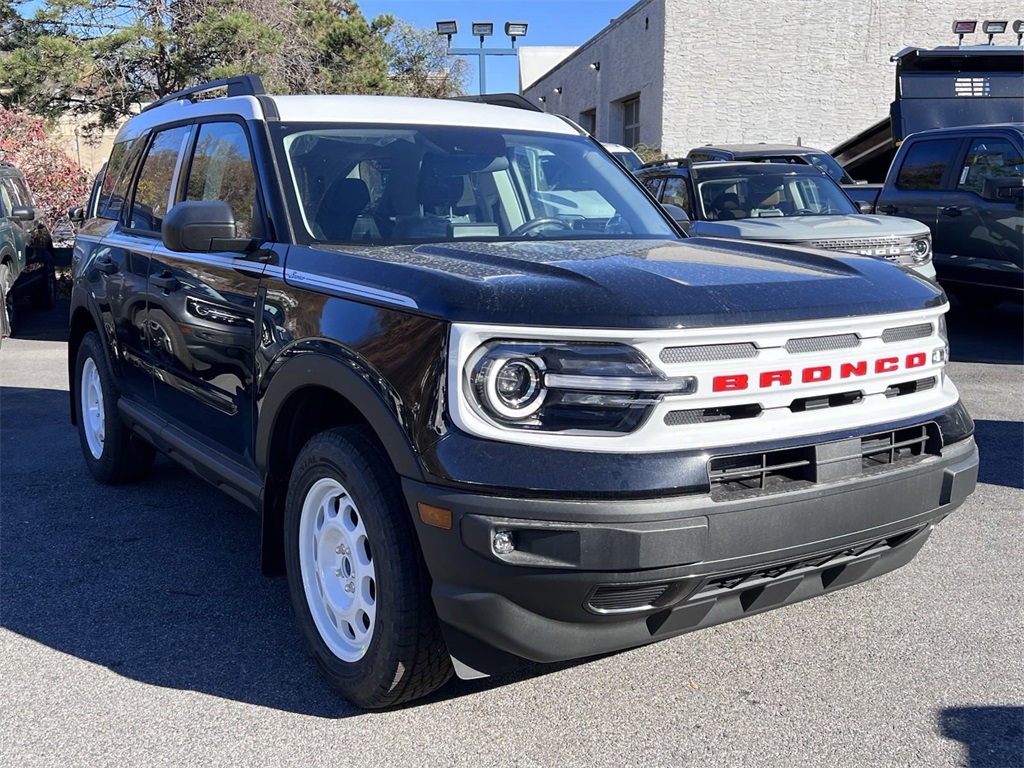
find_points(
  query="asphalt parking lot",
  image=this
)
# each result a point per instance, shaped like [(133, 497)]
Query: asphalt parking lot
[(135, 629)]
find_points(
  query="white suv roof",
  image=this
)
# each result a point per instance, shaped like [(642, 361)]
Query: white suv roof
[(354, 110)]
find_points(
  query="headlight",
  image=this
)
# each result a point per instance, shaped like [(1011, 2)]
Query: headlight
[(557, 387), (922, 249)]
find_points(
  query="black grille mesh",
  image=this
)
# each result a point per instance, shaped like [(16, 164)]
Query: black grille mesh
[(625, 597)]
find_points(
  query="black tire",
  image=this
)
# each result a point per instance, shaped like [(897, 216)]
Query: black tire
[(122, 457), (7, 303), (405, 657), (45, 294)]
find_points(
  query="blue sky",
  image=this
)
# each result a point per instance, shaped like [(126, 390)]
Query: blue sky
[(552, 22)]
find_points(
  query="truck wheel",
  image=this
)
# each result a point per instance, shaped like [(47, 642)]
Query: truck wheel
[(7, 296), (113, 454), (358, 583)]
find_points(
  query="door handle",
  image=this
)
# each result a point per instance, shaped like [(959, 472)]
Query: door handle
[(887, 208), (166, 281), (106, 265), (951, 210)]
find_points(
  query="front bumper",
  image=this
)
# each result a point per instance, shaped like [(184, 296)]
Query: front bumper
[(594, 576)]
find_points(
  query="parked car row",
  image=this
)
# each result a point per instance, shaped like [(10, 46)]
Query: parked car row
[(952, 206), (26, 251)]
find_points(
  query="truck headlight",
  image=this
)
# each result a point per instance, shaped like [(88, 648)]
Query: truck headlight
[(922, 249), (557, 387)]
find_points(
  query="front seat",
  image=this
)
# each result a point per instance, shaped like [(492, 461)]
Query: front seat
[(341, 206)]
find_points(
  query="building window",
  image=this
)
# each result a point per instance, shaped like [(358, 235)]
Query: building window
[(631, 122), (588, 121)]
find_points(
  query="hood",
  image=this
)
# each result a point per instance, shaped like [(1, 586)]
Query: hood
[(796, 228), (618, 283)]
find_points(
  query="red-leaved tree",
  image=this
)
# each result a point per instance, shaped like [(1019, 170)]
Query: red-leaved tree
[(57, 182)]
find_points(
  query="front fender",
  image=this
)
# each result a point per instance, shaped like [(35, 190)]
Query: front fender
[(344, 373)]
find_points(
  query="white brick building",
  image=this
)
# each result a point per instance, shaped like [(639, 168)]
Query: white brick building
[(675, 74)]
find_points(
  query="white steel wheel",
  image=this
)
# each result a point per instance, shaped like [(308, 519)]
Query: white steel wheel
[(357, 580), (93, 416), (112, 453), (338, 574)]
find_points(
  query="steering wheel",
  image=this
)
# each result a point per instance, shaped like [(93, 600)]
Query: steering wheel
[(804, 212), (535, 224)]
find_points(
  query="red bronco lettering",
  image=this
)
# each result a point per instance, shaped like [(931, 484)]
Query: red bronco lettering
[(738, 382)]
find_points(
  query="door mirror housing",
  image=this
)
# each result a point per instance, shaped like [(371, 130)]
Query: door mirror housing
[(77, 214), (1004, 189), (678, 215), (23, 213), (863, 206), (203, 226)]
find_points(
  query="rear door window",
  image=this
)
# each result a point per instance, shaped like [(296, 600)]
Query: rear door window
[(926, 163)]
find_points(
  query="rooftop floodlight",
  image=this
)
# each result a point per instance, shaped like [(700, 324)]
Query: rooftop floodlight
[(558, 90), (992, 28), (1018, 29), (596, 66), (448, 28), (515, 29), (961, 28), (542, 99), (483, 29)]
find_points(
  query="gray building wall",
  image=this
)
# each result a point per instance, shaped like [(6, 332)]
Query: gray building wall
[(629, 52), (753, 70)]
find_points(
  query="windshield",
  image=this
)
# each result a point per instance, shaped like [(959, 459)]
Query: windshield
[(413, 184), (750, 196), (823, 162)]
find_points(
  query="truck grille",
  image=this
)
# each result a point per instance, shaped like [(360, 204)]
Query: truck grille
[(620, 598), (707, 353), (793, 468)]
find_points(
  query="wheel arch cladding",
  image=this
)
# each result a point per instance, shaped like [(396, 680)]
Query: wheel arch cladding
[(309, 394)]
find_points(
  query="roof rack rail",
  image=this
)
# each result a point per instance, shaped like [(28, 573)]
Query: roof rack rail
[(241, 85), (676, 161)]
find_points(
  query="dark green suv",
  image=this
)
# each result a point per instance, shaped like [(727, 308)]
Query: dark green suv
[(26, 250)]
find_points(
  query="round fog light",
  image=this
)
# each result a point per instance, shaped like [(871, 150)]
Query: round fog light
[(504, 543)]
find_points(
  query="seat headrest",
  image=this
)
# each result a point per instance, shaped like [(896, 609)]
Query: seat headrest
[(439, 184), (347, 196)]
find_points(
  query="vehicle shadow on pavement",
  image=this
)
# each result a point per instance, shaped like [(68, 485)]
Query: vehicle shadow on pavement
[(157, 581), (993, 736), (993, 336), (1001, 444), (43, 325)]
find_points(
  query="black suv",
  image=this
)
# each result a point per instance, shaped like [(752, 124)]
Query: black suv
[(488, 402), (26, 250)]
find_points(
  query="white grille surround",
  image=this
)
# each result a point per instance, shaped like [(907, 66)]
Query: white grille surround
[(886, 365)]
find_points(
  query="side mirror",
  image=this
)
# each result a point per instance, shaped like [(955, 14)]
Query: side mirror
[(678, 215), (999, 189), (203, 226), (22, 213), (863, 206), (77, 214)]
